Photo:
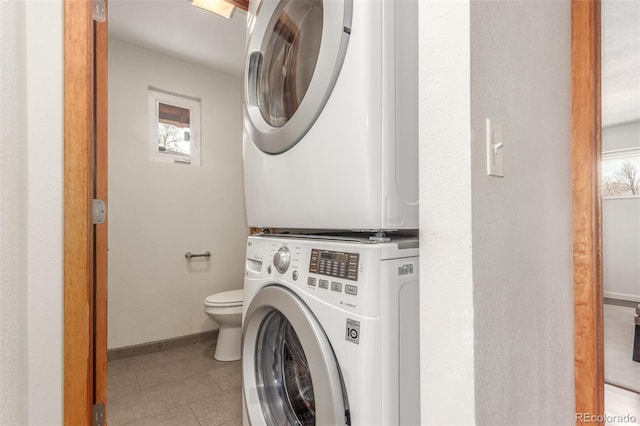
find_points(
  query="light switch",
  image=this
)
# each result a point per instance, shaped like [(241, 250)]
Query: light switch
[(495, 149)]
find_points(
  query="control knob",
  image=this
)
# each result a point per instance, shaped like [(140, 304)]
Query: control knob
[(282, 259)]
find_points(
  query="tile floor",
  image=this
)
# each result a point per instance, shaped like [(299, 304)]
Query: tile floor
[(619, 368), (184, 386), (619, 330), (622, 405)]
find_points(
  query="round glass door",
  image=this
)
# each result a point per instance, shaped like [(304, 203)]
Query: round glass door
[(290, 56), (290, 372), (295, 52), (285, 386)]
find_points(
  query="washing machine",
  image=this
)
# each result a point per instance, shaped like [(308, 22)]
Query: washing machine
[(331, 114), (330, 331)]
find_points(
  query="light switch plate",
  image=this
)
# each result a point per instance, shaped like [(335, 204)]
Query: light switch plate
[(495, 149)]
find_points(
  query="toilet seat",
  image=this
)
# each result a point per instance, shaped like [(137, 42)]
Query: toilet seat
[(228, 298)]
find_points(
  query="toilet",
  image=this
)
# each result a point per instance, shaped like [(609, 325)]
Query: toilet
[(225, 308)]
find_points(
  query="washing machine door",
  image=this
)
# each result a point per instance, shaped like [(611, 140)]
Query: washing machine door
[(295, 50), (290, 373)]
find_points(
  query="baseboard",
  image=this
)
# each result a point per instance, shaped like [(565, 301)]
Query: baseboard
[(160, 345), (621, 296), (620, 302)]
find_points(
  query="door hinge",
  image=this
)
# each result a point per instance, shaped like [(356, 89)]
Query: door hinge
[(99, 11), (98, 414), (99, 212)]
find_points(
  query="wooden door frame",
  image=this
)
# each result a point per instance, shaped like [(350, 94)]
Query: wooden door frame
[(587, 208), (84, 305), (101, 192), (80, 102)]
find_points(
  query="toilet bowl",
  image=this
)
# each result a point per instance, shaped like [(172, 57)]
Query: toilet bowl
[(225, 308)]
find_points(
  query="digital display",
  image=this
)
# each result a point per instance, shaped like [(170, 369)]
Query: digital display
[(335, 264), (338, 257)]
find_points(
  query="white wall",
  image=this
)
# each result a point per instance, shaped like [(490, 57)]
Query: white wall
[(621, 225), (13, 213), (621, 136), (31, 213), (522, 238), (496, 253), (621, 248), (160, 211), (446, 282)]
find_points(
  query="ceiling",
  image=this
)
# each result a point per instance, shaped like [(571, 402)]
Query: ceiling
[(175, 28)]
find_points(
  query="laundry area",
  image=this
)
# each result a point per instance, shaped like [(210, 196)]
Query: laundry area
[(329, 129), (313, 273), (330, 161), (343, 212)]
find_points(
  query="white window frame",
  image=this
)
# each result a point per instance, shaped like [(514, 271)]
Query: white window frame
[(155, 98)]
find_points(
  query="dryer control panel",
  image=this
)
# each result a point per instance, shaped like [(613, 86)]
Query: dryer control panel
[(334, 264)]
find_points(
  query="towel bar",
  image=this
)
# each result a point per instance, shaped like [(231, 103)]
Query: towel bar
[(190, 255)]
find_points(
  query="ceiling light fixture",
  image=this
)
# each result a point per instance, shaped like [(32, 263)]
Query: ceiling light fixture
[(219, 7)]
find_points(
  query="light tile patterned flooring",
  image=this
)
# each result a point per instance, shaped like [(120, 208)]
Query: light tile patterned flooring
[(622, 406), (619, 368), (184, 386), (619, 330)]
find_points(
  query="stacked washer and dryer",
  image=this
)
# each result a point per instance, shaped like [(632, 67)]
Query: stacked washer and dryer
[(330, 321)]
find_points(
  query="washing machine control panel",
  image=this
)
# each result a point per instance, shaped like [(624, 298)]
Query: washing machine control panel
[(334, 264)]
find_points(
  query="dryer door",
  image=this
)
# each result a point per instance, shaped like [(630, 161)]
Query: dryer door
[(290, 373), (295, 50)]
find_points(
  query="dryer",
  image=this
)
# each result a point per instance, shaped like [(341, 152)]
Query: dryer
[(330, 332), (331, 114)]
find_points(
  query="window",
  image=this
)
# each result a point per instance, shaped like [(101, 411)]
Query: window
[(174, 128), (621, 173)]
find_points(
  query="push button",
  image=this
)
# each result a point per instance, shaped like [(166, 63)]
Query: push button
[(323, 284), (351, 289), (311, 281), (336, 286)]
